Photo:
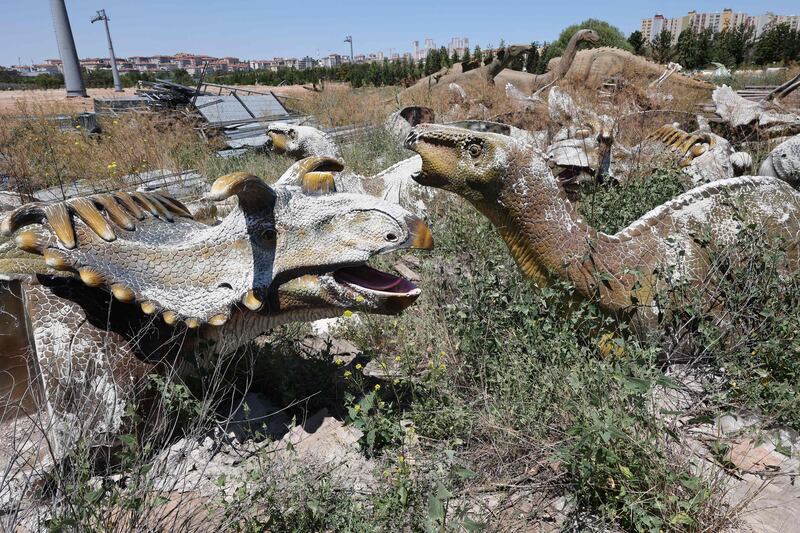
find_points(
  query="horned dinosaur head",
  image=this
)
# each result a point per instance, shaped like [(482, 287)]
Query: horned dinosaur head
[(469, 163), (300, 141), (144, 248)]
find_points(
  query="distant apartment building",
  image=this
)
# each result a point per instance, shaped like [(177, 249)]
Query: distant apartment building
[(458, 45), (716, 22)]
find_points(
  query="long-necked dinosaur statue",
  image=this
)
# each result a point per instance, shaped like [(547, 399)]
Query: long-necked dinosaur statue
[(511, 184), (530, 83), (96, 270), (591, 68), (456, 74)]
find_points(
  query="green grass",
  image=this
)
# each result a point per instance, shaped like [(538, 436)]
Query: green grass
[(496, 386)]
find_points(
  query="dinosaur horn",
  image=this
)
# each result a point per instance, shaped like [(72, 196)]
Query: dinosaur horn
[(153, 205), (126, 200), (295, 175), (25, 215), (115, 212), (247, 187), (317, 182), (87, 212), (173, 205)]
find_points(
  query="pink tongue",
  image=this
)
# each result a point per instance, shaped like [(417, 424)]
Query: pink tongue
[(369, 278)]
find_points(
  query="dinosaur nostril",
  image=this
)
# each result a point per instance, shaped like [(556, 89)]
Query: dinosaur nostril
[(225, 286), (391, 237)]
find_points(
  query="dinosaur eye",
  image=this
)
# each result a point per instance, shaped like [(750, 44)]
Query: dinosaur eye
[(391, 237), (475, 150), (292, 134)]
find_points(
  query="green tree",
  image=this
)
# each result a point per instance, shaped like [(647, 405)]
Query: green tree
[(661, 47), (532, 58), (544, 53), (731, 45), (636, 40), (478, 54), (778, 44), (444, 59), (466, 57), (454, 58)]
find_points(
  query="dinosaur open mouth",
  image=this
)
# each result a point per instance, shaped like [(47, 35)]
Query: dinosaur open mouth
[(376, 281)]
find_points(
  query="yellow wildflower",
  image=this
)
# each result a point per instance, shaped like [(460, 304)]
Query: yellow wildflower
[(348, 313), (359, 298), (397, 358), (357, 408), (338, 362), (358, 366), (347, 373), (377, 387)]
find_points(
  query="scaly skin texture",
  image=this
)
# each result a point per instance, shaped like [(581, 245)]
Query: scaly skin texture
[(511, 184), (196, 273), (89, 351), (529, 83)]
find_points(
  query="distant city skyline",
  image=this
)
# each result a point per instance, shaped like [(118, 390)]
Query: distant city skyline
[(255, 30)]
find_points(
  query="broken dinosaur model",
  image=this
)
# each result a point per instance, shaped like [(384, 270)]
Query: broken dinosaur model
[(96, 270), (511, 184), (766, 117)]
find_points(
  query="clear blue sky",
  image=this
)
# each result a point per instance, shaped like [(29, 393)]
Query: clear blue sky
[(266, 28)]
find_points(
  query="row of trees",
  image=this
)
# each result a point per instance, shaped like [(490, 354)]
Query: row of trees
[(732, 47)]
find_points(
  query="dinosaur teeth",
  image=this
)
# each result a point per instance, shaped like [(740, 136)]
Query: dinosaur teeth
[(251, 301), (148, 307), (31, 241), (192, 323), (122, 293), (92, 217), (218, 320), (170, 317), (56, 259), (91, 277)]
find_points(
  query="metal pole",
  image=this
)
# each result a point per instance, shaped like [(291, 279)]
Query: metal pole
[(101, 15), (66, 49)]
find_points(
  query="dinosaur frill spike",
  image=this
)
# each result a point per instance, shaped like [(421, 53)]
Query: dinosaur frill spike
[(251, 190), (62, 251)]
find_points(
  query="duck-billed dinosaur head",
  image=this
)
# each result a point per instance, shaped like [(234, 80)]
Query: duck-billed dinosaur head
[(144, 248), (300, 141), (472, 164)]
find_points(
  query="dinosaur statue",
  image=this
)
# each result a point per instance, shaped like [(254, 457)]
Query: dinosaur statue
[(298, 141), (456, 74), (511, 184), (704, 156), (530, 83), (767, 116), (784, 162), (96, 269), (321, 155)]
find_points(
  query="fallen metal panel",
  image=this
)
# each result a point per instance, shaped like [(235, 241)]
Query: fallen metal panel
[(228, 109)]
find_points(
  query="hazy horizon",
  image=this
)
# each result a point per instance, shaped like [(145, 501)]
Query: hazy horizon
[(259, 31)]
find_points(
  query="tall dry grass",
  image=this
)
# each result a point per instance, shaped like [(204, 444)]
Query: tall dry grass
[(38, 150)]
